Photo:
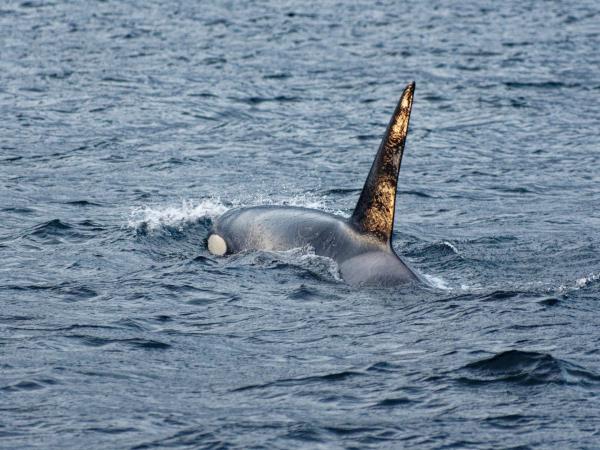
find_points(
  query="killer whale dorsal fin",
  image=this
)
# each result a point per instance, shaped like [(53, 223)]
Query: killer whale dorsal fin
[(374, 212)]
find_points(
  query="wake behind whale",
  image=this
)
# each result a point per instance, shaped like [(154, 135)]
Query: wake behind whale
[(361, 245)]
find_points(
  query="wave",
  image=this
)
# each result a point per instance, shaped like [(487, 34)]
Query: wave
[(139, 343), (585, 281), (70, 291), (153, 218), (439, 249), (306, 200), (436, 282), (51, 228), (548, 84), (394, 402), (580, 283), (150, 218), (82, 203), (304, 258), (527, 368), (28, 385), (56, 231), (327, 378)]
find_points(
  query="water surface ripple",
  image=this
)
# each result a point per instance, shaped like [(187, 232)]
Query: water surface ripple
[(126, 127)]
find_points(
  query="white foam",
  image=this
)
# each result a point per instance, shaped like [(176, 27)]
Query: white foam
[(444, 285), (155, 217), (306, 258), (303, 257), (310, 261), (580, 283), (452, 246), (306, 200), (437, 282)]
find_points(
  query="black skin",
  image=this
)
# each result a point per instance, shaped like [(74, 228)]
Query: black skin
[(362, 259)]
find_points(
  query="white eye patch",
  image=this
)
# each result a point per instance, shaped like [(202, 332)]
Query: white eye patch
[(217, 245)]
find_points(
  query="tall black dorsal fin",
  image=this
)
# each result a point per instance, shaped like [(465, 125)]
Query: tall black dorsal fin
[(374, 212)]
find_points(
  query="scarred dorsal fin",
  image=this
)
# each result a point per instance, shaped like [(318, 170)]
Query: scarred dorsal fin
[(374, 212)]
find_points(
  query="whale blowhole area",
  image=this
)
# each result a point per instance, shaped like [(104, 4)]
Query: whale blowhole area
[(217, 245)]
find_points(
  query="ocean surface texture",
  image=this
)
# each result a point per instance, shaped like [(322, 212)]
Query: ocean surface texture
[(126, 127)]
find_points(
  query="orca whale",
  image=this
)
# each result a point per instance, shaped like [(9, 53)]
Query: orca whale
[(361, 245)]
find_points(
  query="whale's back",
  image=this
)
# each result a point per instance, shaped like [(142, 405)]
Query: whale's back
[(279, 228), (361, 258)]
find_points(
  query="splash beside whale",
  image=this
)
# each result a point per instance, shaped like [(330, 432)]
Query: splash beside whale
[(361, 245)]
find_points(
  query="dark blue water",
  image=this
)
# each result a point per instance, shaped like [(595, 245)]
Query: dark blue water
[(126, 126)]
